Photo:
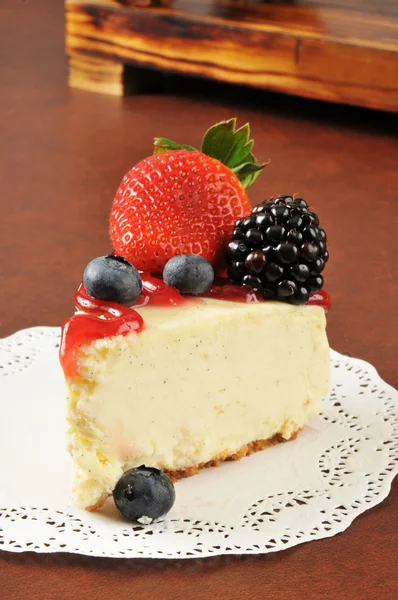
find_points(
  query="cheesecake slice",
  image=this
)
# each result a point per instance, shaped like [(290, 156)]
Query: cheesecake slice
[(195, 384)]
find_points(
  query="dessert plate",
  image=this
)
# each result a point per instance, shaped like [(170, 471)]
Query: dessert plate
[(340, 465)]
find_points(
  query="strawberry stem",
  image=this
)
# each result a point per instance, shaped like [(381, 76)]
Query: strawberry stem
[(164, 145), (231, 146)]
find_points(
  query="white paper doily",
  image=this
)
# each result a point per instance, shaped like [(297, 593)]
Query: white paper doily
[(340, 465)]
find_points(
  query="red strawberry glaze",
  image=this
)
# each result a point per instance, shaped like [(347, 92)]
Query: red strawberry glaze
[(320, 298), (105, 319), (157, 293), (224, 290), (101, 320)]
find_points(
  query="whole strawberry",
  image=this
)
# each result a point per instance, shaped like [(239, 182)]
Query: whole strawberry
[(184, 201)]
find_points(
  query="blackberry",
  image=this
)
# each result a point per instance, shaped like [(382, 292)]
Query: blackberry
[(279, 250)]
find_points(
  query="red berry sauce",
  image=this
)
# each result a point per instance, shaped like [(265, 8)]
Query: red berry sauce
[(224, 290), (320, 298), (157, 293), (101, 320), (105, 319)]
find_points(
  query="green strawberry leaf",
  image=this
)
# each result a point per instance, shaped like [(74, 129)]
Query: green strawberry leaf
[(248, 172), (227, 144), (233, 147), (164, 145)]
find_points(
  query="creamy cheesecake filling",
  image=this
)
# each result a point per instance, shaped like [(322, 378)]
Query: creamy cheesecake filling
[(197, 382)]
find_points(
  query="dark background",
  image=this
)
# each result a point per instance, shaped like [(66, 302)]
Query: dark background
[(62, 155)]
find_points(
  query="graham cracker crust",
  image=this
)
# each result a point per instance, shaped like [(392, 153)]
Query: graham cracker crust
[(246, 450)]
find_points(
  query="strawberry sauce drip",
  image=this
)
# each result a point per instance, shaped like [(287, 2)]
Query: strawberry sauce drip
[(103, 319), (320, 298), (224, 290), (157, 293)]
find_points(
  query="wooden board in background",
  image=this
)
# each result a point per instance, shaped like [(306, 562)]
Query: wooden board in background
[(336, 50)]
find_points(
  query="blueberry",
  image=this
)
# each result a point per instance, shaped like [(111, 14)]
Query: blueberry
[(189, 273), (113, 279), (144, 492)]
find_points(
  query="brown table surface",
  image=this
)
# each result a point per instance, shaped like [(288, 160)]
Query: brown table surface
[(62, 155)]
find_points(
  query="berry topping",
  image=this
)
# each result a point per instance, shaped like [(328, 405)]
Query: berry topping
[(254, 237), (189, 274), (279, 250), (275, 234), (286, 288), (255, 262), (300, 272), (144, 494), (113, 279), (273, 273), (185, 201), (237, 250), (252, 282), (286, 253)]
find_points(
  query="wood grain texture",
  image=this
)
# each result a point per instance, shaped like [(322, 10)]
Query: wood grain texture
[(336, 51), (63, 153), (96, 75)]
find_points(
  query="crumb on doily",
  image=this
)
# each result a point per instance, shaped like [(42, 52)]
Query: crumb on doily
[(144, 520)]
